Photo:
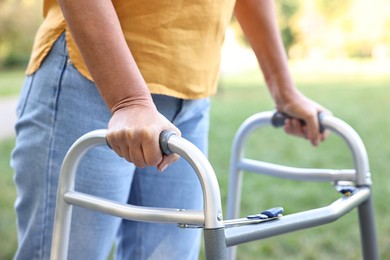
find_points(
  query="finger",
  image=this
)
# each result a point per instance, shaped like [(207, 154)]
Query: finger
[(288, 128), (112, 142), (294, 127), (137, 156), (297, 127), (151, 150), (134, 140), (123, 143), (122, 151), (324, 135), (167, 161), (313, 130)]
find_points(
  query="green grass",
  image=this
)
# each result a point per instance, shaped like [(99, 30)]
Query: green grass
[(7, 198), (11, 82), (359, 100), (362, 102)]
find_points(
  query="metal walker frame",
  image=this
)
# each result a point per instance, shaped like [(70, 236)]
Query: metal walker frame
[(221, 236)]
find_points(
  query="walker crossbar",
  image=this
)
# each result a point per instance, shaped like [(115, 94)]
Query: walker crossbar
[(294, 173), (292, 222), (132, 212), (360, 178)]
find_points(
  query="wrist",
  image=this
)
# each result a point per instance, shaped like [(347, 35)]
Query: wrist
[(282, 88), (129, 101)]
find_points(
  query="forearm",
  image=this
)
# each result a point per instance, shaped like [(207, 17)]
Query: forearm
[(96, 30), (135, 125), (258, 21)]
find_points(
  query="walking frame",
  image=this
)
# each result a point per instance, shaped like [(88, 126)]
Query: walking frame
[(221, 236)]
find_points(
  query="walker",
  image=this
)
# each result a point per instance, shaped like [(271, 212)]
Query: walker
[(220, 236)]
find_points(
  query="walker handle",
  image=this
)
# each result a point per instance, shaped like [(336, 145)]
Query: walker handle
[(164, 137), (279, 118)]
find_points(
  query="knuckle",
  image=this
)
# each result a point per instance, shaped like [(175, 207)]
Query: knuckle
[(148, 133), (128, 133)]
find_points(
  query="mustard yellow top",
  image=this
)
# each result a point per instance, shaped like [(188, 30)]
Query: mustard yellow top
[(176, 44)]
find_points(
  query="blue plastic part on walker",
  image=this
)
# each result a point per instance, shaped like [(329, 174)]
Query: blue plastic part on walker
[(273, 213), (257, 216)]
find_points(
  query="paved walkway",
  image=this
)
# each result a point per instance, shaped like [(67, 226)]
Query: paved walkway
[(7, 116)]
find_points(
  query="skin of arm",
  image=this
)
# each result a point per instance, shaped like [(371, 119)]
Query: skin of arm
[(135, 125), (258, 21)]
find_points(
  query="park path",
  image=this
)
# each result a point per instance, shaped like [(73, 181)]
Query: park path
[(7, 116)]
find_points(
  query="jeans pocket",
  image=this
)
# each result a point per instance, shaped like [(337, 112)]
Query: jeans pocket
[(23, 97)]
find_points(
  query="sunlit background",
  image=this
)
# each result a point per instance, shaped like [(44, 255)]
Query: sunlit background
[(311, 29), (344, 34)]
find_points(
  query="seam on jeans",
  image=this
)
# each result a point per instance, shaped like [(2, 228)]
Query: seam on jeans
[(25, 100), (200, 111), (50, 161)]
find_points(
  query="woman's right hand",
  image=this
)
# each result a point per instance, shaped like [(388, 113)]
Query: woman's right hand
[(133, 133)]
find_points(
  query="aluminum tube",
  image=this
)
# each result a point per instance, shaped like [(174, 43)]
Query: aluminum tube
[(361, 177), (62, 219), (294, 173), (368, 230), (237, 164), (339, 127), (212, 201), (137, 213), (215, 244), (207, 178), (235, 177), (302, 220), (355, 144)]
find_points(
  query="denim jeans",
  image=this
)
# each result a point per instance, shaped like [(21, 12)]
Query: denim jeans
[(57, 105)]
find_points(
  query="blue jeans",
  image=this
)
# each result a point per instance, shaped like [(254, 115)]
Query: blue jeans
[(57, 105)]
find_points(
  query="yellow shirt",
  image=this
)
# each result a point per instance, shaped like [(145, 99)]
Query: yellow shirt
[(176, 44)]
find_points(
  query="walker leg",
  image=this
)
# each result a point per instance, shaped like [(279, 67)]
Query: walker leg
[(367, 230), (215, 244), (233, 204), (232, 252)]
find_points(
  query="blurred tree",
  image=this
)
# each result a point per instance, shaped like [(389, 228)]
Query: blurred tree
[(333, 9), (287, 14), (344, 29), (19, 20)]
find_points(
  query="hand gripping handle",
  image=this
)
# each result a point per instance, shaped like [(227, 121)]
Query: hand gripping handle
[(279, 119), (163, 139)]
